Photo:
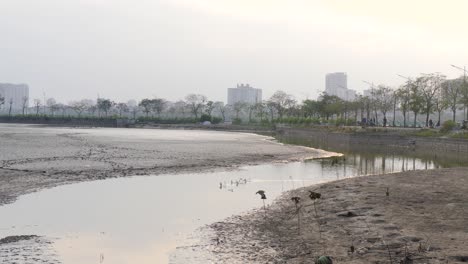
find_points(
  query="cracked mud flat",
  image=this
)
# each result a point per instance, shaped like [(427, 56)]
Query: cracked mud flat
[(423, 220), (33, 158)]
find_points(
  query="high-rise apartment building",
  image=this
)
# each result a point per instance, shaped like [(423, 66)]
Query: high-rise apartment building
[(337, 84), (245, 94), (15, 94)]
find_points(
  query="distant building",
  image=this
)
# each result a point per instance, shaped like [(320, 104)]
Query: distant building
[(15, 93), (244, 93), (337, 84)]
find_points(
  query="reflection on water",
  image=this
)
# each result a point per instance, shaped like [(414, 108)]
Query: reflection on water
[(142, 219)]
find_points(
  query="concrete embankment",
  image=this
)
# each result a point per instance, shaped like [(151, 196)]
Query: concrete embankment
[(395, 140)]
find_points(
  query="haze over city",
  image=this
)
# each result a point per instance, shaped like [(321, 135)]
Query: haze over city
[(137, 49)]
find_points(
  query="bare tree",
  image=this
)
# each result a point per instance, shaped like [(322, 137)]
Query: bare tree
[(210, 106), (281, 101), (2, 101), (196, 102), (122, 108), (11, 106), (134, 109), (221, 108), (50, 103), (24, 103), (78, 106), (181, 107), (37, 105)]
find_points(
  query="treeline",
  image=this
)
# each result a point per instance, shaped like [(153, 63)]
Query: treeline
[(426, 96)]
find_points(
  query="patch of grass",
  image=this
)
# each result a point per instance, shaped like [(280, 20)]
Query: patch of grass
[(428, 133), (460, 135)]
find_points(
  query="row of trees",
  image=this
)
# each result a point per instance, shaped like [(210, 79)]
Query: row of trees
[(424, 95)]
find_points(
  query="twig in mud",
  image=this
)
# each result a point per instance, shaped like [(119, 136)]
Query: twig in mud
[(292, 182), (296, 201), (314, 196), (389, 253), (263, 197)]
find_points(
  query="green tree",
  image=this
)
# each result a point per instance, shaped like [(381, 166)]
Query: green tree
[(452, 90), (416, 104), (404, 97), (146, 105), (104, 105), (280, 101), (430, 85), (238, 108), (122, 108), (210, 106), (158, 105), (310, 108), (384, 99), (221, 108)]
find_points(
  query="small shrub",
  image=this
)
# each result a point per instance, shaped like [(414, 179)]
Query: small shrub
[(216, 120), (448, 126), (205, 117), (236, 121)]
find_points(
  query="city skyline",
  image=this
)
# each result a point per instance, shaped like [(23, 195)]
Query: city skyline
[(75, 49)]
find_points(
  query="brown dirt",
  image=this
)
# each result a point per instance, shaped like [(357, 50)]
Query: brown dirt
[(423, 220)]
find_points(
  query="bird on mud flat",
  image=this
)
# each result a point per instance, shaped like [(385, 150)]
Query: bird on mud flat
[(314, 195), (262, 194)]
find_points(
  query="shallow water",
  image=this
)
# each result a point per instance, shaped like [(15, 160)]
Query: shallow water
[(142, 219)]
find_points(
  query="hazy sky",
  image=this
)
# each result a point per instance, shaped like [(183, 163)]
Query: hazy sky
[(125, 49)]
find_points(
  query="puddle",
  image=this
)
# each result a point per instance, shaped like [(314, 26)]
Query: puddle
[(142, 219)]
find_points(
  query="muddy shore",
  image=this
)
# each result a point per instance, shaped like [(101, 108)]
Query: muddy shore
[(35, 157), (422, 220)]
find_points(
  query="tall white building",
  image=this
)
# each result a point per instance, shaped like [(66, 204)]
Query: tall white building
[(244, 93), (337, 84), (14, 93)]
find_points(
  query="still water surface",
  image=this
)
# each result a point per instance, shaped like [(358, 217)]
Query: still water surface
[(142, 219)]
